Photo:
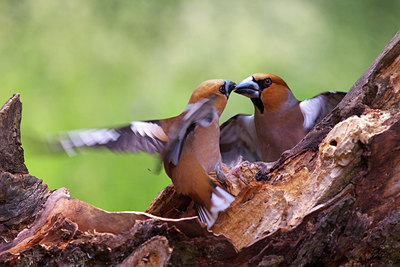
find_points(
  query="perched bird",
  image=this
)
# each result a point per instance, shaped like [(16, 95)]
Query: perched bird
[(279, 122), (188, 144)]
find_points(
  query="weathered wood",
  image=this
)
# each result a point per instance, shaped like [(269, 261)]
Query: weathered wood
[(11, 152), (333, 199)]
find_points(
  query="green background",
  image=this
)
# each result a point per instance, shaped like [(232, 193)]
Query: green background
[(82, 64)]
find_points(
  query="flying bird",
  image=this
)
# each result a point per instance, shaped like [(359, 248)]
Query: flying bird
[(279, 121), (187, 143)]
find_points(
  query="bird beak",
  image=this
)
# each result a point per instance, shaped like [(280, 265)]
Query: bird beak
[(248, 87), (229, 86)]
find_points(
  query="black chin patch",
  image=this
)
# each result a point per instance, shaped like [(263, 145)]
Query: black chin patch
[(258, 103)]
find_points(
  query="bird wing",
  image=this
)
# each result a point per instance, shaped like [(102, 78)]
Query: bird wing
[(147, 136), (238, 138), (316, 108), (201, 113)]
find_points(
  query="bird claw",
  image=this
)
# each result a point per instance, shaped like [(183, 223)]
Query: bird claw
[(236, 170)]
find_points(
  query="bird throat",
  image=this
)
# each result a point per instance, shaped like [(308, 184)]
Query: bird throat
[(258, 103)]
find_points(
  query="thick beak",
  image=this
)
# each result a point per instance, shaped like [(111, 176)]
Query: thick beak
[(248, 87), (229, 86)]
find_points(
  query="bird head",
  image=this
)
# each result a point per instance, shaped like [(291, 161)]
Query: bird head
[(268, 92), (218, 88)]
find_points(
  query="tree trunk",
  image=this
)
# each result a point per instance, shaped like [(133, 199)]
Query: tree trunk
[(333, 199)]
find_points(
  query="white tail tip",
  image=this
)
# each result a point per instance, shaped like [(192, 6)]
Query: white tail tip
[(220, 200)]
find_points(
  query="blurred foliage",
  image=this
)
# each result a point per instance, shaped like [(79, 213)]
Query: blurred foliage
[(82, 64)]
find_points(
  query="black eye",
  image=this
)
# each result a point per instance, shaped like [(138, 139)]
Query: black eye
[(267, 82), (222, 89)]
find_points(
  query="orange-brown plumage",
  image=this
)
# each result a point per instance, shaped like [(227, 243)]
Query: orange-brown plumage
[(276, 94), (188, 143), (200, 153), (208, 89), (274, 142), (280, 121)]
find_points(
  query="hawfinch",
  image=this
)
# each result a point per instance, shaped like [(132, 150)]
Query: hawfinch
[(279, 122), (187, 143)]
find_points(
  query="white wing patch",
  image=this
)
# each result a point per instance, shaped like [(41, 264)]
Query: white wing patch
[(311, 109), (137, 136), (90, 137), (148, 129)]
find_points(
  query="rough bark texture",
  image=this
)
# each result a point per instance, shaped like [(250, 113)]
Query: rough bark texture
[(11, 152), (334, 199)]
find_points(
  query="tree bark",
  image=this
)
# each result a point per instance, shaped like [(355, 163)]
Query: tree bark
[(334, 199)]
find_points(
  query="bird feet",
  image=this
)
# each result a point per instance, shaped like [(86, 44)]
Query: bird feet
[(236, 170)]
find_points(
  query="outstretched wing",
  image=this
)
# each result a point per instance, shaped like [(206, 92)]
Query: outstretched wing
[(316, 108), (201, 113), (147, 136), (239, 138)]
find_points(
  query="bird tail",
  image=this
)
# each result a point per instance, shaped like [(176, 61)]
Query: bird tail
[(220, 200)]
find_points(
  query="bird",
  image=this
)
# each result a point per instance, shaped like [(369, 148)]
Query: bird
[(188, 145), (279, 121)]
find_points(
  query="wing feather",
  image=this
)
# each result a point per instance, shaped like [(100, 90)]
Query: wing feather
[(146, 136), (239, 139), (201, 113), (316, 108)]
